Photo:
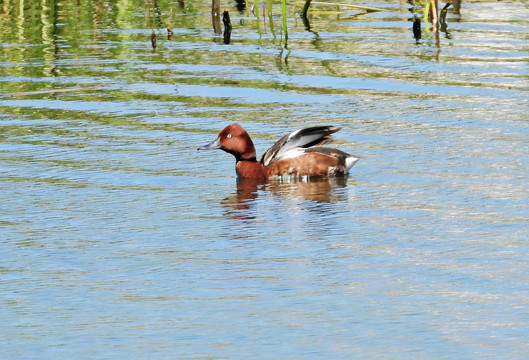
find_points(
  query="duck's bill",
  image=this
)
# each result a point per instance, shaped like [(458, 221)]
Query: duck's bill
[(215, 144)]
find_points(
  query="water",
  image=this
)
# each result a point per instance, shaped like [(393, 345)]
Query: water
[(120, 240)]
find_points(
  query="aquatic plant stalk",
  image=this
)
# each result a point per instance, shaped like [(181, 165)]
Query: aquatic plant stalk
[(256, 13), (284, 14)]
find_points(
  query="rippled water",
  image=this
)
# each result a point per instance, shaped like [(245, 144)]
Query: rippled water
[(120, 240)]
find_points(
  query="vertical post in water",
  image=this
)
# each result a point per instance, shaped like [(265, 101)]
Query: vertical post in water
[(215, 16)]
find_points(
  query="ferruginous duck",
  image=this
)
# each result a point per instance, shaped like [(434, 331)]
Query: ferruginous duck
[(298, 154)]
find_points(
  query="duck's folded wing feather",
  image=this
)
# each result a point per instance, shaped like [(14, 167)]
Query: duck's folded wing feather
[(299, 139)]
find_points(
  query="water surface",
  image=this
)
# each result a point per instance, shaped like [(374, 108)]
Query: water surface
[(121, 240)]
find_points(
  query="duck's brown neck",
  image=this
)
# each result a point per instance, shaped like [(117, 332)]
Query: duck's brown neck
[(249, 154), (250, 168)]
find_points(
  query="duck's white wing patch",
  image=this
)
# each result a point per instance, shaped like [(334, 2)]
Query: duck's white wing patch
[(292, 145), (298, 139), (289, 154)]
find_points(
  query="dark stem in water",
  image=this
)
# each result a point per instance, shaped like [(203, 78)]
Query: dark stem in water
[(305, 8), (227, 27)]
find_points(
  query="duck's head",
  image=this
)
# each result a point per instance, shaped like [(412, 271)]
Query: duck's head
[(234, 140)]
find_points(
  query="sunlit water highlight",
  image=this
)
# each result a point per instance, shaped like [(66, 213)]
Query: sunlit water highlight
[(120, 240)]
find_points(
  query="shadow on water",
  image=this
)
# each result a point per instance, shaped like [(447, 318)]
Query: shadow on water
[(317, 190)]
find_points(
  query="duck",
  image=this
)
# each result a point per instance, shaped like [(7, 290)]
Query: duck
[(296, 155)]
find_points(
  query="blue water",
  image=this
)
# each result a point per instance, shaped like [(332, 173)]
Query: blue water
[(120, 240)]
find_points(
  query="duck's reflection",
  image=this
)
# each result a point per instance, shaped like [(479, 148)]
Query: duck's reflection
[(247, 191), (317, 190)]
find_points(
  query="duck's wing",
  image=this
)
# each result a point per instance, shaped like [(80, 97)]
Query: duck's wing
[(297, 141)]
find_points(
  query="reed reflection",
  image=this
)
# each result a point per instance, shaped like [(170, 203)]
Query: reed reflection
[(431, 17)]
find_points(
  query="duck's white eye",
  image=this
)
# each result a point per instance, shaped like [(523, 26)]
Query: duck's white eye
[(228, 136)]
